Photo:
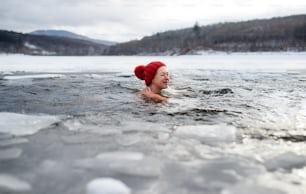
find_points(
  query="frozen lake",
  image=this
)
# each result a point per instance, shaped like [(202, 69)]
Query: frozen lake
[(240, 61), (235, 124)]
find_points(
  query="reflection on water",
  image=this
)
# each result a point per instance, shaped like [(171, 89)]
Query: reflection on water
[(223, 131)]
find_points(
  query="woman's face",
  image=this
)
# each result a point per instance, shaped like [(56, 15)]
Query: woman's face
[(161, 79)]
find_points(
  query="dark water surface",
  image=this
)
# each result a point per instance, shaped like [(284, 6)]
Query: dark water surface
[(223, 132)]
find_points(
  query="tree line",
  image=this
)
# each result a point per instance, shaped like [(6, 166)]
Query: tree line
[(275, 34)]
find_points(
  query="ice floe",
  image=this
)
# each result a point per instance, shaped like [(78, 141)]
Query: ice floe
[(287, 161), (26, 80), (34, 76), (128, 139), (9, 184), (286, 183), (79, 125), (208, 134), (113, 156), (21, 124), (128, 163), (107, 186), (250, 189)]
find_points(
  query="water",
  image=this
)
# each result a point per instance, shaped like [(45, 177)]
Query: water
[(235, 123)]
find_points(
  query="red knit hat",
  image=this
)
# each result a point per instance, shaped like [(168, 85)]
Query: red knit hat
[(148, 72)]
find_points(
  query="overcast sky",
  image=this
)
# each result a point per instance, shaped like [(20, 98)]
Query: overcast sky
[(123, 20)]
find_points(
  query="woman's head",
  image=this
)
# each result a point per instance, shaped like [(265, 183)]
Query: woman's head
[(153, 73)]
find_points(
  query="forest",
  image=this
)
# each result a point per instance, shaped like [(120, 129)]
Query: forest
[(276, 34), (260, 35)]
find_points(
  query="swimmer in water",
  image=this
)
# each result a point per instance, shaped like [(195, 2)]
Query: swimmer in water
[(156, 77)]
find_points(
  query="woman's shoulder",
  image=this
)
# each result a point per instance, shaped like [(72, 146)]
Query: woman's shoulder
[(147, 93)]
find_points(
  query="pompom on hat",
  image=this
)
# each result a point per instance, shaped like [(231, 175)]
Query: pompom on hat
[(148, 72)]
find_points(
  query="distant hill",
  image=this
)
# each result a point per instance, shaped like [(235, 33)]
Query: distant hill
[(275, 34), (67, 34), (14, 42)]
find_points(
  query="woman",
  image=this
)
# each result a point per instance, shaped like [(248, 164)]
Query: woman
[(156, 77)]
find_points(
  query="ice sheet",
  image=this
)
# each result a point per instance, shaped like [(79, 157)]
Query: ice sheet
[(21, 124), (126, 64), (9, 184), (35, 76)]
